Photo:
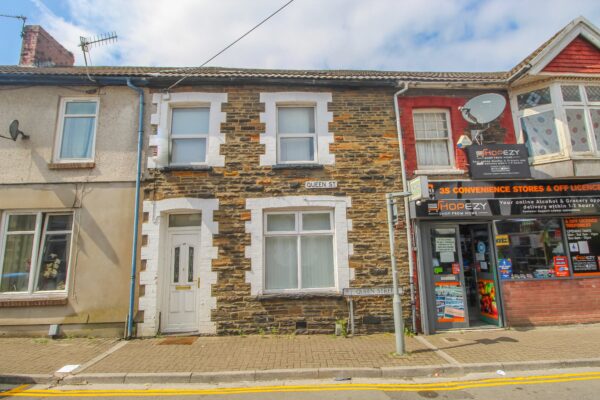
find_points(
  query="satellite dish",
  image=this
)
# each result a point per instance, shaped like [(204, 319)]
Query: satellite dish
[(14, 131), (484, 108)]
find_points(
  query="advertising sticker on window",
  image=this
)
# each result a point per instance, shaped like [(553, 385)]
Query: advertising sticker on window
[(583, 235), (505, 268)]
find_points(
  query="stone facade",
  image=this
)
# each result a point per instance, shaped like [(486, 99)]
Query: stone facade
[(366, 166)]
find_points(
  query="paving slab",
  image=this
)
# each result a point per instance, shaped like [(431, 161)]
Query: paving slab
[(249, 353), (512, 345), (45, 356)]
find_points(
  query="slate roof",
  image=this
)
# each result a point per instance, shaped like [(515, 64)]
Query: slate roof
[(217, 72)]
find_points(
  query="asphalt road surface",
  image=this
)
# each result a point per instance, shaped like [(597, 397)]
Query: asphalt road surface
[(540, 385)]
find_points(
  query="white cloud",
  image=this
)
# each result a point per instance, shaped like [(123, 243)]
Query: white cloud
[(432, 35)]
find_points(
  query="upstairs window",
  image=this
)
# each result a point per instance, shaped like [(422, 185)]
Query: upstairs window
[(189, 135), (77, 131), (296, 137), (560, 119), (35, 252), (433, 139)]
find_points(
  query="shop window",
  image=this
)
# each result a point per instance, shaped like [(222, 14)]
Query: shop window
[(299, 250), (560, 120), (77, 130), (35, 252), (189, 135), (433, 139), (531, 248)]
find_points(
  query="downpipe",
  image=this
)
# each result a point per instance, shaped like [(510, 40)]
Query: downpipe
[(409, 241), (136, 214)]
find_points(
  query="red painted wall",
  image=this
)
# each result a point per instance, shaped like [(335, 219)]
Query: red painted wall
[(580, 56), (458, 125), (551, 302)]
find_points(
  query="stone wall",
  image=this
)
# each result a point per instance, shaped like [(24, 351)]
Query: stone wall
[(366, 167)]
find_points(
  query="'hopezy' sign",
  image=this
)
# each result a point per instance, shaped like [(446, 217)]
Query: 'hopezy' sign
[(498, 161)]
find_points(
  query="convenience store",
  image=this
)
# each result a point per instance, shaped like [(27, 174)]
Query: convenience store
[(506, 253)]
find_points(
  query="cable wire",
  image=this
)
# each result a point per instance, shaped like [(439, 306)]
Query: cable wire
[(231, 44)]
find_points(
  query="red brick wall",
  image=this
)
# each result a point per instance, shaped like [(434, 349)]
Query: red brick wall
[(552, 302), (580, 56), (39, 48), (458, 125)]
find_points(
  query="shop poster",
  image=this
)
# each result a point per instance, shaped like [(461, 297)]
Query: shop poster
[(450, 302), (488, 307), (583, 235), (505, 268), (561, 266)]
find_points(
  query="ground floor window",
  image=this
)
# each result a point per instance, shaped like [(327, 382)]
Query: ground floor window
[(299, 248), (34, 252), (548, 247)]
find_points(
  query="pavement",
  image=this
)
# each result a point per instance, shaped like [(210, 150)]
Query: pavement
[(283, 357)]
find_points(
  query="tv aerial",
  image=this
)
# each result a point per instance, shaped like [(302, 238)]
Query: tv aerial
[(87, 43), (481, 110), (21, 17), (13, 130)]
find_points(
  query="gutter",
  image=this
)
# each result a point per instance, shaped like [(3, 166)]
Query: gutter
[(409, 241), (136, 216)]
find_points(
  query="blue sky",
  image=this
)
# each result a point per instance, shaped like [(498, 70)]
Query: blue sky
[(422, 35)]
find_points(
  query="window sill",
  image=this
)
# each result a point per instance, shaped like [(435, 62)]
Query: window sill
[(439, 172), (186, 168), (72, 165), (298, 166), (33, 301), (299, 295)]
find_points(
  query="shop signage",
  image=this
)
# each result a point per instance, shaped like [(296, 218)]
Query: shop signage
[(583, 236), (498, 161), (320, 184), (478, 199), (419, 188), (502, 240), (372, 291)]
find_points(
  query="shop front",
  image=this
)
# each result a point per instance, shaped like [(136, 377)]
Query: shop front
[(495, 254)]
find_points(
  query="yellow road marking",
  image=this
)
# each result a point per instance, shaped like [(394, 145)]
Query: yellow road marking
[(21, 391)]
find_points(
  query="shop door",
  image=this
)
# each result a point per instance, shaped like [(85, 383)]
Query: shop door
[(181, 288), (448, 281), (479, 269)]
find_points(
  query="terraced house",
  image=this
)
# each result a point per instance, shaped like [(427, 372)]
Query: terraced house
[(263, 196), (66, 193)]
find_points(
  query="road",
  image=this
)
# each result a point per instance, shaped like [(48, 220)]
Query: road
[(540, 385)]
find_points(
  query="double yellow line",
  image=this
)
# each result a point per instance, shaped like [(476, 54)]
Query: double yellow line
[(23, 391)]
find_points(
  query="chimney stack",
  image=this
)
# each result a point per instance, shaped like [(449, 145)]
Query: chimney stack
[(39, 49)]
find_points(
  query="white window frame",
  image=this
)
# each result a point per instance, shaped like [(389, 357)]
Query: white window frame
[(38, 241), (312, 135), (449, 141), (323, 137), (559, 107), (343, 249), (61, 126), (299, 232), (161, 120), (183, 137)]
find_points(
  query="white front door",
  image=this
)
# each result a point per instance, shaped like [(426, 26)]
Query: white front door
[(182, 283)]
